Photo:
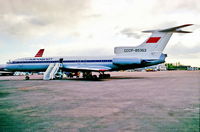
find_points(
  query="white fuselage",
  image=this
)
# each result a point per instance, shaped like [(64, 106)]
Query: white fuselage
[(41, 63)]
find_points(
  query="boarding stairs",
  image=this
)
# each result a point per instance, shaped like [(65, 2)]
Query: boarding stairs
[(51, 71)]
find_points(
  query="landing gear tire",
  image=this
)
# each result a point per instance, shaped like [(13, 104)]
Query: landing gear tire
[(27, 77), (89, 76), (94, 77), (101, 76), (107, 75), (104, 76)]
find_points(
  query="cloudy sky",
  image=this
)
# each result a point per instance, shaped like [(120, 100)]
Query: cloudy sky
[(95, 27)]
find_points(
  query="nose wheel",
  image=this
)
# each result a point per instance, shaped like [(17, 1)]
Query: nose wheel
[(27, 77)]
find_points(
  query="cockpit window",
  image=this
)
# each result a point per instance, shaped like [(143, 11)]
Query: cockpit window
[(9, 62)]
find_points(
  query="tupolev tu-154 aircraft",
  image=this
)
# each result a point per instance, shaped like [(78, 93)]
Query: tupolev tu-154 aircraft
[(147, 54)]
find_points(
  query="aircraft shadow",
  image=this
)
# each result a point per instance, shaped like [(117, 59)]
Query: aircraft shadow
[(122, 77), (112, 78)]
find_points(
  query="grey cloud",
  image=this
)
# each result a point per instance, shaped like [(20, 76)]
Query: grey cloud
[(129, 33), (95, 16), (179, 50), (38, 22), (27, 18), (171, 6), (85, 52)]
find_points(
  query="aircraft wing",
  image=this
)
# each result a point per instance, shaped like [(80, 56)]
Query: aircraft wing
[(88, 68)]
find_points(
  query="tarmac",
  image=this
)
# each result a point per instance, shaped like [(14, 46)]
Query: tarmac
[(164, 101)]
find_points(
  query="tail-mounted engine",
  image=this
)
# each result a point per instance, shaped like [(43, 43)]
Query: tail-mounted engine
[(126, 61)]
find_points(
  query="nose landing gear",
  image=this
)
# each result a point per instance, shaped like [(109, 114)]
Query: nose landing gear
[(27, 77)]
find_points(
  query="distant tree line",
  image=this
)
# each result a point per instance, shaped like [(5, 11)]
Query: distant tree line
[(177, 66)]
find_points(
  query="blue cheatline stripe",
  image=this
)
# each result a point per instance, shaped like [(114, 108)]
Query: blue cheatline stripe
[(66, 61)]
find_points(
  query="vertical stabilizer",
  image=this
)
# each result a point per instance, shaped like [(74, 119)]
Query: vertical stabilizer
[(40, 53), (153, 47)]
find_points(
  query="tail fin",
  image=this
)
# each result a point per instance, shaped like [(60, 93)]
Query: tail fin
[(152, 47), (40, 53)]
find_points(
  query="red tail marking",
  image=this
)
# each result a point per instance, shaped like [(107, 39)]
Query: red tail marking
[(153, 40), (40, 53)]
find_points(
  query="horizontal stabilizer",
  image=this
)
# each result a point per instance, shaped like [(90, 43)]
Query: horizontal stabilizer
[(173, 29)]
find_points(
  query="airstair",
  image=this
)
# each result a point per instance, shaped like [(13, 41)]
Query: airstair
[(51, 71)]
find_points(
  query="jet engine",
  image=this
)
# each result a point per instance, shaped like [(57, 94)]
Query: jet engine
[(126, 61)]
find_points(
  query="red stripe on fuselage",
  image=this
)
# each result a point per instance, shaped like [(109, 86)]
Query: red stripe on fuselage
[(153, 40)]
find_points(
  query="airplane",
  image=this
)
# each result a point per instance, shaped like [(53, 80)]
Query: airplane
[(146, 54)]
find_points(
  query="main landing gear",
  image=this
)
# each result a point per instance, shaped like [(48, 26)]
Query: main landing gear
[(88, 75), (104, 76)]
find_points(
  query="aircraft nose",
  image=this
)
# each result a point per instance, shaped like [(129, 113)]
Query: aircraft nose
[(2, 67)]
